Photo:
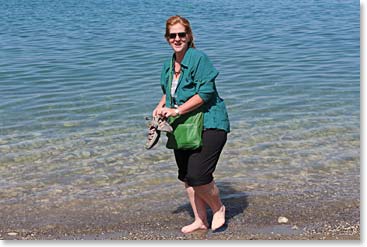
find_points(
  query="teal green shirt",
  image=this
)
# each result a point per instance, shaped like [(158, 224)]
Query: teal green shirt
[(197, 77)]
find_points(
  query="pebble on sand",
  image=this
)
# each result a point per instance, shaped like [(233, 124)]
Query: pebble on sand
[(282, 220), (12, 233)]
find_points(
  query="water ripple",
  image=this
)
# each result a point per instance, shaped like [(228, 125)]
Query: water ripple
[(78, 78)]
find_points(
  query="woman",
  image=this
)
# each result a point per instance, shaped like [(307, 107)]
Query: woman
[(193, 86)]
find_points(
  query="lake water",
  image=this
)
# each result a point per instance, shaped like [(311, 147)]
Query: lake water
[(77, 79)]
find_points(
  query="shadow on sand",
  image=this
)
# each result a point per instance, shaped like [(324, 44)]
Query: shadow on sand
[(235, 202)]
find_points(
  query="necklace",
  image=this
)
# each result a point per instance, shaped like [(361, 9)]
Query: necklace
[(177, 72)]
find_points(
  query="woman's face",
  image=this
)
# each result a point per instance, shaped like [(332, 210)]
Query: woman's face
[(178, 39)]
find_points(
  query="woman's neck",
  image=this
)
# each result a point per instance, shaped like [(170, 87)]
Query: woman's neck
[(180, 55)]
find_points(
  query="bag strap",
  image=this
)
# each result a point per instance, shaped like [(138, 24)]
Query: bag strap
[(170, 82)]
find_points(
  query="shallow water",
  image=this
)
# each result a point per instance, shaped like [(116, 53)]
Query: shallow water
[(78, 78)]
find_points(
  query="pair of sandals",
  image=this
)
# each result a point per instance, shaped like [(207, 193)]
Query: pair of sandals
[(155, 126)]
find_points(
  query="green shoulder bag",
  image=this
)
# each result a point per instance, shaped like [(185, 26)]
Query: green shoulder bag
[(187, 131)]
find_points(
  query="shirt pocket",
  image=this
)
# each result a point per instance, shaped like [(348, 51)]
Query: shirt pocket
[(188, 84), (186, 89)]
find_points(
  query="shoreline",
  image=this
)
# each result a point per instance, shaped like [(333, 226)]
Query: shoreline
[(248, 217)]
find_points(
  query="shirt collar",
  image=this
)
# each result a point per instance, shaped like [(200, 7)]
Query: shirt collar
[(185, 61)]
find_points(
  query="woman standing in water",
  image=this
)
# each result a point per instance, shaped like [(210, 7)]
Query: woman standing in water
[(193, 86)]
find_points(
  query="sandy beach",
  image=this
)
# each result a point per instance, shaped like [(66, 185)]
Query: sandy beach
[(249, 217)]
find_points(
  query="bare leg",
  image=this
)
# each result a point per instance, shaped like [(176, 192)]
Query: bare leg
[(210, 194), (199, 207)]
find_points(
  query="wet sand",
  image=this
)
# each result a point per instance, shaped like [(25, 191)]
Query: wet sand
[(249, 216)]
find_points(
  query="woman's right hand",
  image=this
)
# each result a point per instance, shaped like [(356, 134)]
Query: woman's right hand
[(157, 111)]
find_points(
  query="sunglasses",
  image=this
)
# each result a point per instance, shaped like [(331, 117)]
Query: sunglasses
[(181, 35)]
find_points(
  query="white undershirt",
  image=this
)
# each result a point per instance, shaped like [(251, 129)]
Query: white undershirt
[(174, 86)]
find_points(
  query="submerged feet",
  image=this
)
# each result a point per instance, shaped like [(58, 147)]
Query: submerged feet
[(219, 218), (196, 225)]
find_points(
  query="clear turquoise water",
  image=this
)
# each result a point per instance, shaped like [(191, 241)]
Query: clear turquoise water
[(77, 79)]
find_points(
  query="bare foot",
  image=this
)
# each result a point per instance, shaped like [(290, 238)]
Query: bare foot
[(219, 218), (196, 225)]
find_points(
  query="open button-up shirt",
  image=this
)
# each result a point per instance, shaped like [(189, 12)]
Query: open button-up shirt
[(197, 77)]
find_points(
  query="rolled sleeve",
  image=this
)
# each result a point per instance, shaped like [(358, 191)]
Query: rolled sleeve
[(205, 78)]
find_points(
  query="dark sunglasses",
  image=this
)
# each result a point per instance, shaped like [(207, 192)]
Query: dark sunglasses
[(174, 35)]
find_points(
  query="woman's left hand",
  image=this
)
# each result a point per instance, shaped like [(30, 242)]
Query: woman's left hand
[(169, 112)]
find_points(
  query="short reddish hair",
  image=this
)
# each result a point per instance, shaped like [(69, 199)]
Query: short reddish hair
[(173, 20)]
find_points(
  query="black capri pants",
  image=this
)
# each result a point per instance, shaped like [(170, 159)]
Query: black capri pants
[(196, 167)]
